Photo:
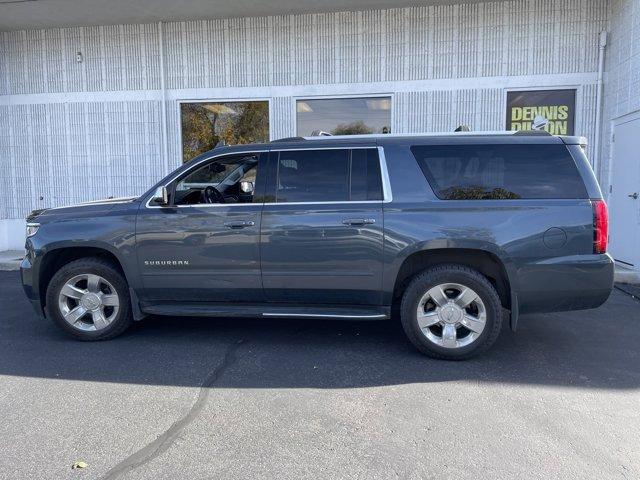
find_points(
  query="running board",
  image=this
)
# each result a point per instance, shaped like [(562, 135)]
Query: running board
[(268, 311)]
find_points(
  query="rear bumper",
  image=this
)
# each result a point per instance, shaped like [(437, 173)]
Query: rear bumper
[(576, 282), (27, 277)]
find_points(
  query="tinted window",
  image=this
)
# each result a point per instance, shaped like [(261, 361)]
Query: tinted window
[(366, 183), (328, 176), (490, 172)]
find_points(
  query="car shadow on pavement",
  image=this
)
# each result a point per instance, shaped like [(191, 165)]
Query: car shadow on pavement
[(596, 349)]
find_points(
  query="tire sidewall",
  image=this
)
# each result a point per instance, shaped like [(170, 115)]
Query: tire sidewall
[(104, 270), (451, 274)]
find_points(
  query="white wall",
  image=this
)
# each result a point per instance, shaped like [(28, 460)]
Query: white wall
[(622, 80), (12, 234), (77, 131)]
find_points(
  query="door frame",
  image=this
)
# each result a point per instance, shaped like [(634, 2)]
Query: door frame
[(616, 122)]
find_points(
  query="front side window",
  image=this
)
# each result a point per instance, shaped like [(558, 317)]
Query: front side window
[(332, 175), (344, 116), (500, 172), (205, 124), (229, 179)]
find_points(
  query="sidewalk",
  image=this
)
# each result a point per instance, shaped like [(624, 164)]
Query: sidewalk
[(10, 259)]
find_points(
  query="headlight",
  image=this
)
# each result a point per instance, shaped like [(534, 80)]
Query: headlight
[(32, 229)]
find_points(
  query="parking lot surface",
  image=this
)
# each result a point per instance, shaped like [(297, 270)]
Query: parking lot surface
[(296, 399)]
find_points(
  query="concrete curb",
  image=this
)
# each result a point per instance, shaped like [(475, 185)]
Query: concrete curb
[(10, 259)]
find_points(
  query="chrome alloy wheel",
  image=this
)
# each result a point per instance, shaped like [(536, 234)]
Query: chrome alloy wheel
[(451, 315), (88, 302)]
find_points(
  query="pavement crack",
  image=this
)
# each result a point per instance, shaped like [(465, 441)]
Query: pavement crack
[(165, 440)]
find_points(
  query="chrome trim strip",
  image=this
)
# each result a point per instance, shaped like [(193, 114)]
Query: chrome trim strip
[(322, 315), (387, 194), (335, 202), (195, 165)]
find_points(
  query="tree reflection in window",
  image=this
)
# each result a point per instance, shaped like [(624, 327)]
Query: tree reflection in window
[(344, 116), (206, 124)]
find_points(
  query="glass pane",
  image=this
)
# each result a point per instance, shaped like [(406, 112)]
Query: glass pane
[(366, 183), (225, 176), (493, 172), (204, 125), (344, 116), (313, 176)]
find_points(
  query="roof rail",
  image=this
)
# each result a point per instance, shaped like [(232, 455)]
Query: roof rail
[(288, 139), (532, 132)]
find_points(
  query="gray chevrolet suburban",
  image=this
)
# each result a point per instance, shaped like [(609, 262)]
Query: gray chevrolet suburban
[(450, 233)]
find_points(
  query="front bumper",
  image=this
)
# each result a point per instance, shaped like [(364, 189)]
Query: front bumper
[(559, 284), (29, 287)]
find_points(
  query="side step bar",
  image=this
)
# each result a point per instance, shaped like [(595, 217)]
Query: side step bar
[(268, 311)]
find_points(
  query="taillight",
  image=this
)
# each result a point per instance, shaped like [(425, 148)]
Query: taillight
[(600, 226)]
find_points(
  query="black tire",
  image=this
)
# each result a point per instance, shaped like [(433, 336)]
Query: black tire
[(105, 269), (451, 273)]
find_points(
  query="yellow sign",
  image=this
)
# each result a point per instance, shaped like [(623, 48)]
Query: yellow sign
[(556, 106)]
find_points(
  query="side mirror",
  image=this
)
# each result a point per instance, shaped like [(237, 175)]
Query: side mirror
[(161, 197), (246, 187)]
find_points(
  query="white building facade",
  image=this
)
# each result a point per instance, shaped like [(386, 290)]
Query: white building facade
[(89, 112)]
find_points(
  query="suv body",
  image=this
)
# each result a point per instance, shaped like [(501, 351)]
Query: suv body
[(345, 227)]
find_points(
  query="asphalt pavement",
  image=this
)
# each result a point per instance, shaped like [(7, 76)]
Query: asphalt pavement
[(298, 399)]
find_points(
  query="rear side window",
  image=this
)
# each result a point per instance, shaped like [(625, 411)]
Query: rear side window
[(329, 175), (366, 183), (500, 172)]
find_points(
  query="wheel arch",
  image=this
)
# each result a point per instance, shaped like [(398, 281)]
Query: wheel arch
[(486, 262), (55, 258)]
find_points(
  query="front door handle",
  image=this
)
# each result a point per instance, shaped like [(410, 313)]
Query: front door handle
[(358, 221), (240, 224)]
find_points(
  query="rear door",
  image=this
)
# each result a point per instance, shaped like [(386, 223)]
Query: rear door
[(322, 226)]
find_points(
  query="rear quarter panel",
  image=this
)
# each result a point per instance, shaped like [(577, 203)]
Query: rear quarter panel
[(541, 243)]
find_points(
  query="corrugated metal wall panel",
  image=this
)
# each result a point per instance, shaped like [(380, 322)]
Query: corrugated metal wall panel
[(622, 81), (71, 152), (282, 121)]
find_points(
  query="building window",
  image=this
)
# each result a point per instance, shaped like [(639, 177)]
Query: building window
[(557, 107), (344, 116), (204, 125)]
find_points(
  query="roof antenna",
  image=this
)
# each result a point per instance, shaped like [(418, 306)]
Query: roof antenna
[(320, 133), (463, 128), (221, 143)]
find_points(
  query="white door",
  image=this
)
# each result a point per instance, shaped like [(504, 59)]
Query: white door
[(624, 201)]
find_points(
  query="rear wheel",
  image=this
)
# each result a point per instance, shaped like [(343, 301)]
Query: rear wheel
[(89, 298), (451, 312)]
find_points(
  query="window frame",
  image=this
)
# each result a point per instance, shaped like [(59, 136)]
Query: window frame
[(384, 176), (427, 174), (181, 101), (265, 163), (390, 95), (171, 184)]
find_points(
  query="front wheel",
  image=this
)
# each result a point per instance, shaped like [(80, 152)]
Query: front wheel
[(89, 299), (451, 312)]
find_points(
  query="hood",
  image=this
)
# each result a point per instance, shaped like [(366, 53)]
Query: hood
[(107, 201), (92, 206)]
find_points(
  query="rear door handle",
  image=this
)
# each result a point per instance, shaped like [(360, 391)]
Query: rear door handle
[(240, 224), (358, 221)]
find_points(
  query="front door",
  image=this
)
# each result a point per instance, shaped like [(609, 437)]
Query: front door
[(624, 202), (322, 230), (204, 246)]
